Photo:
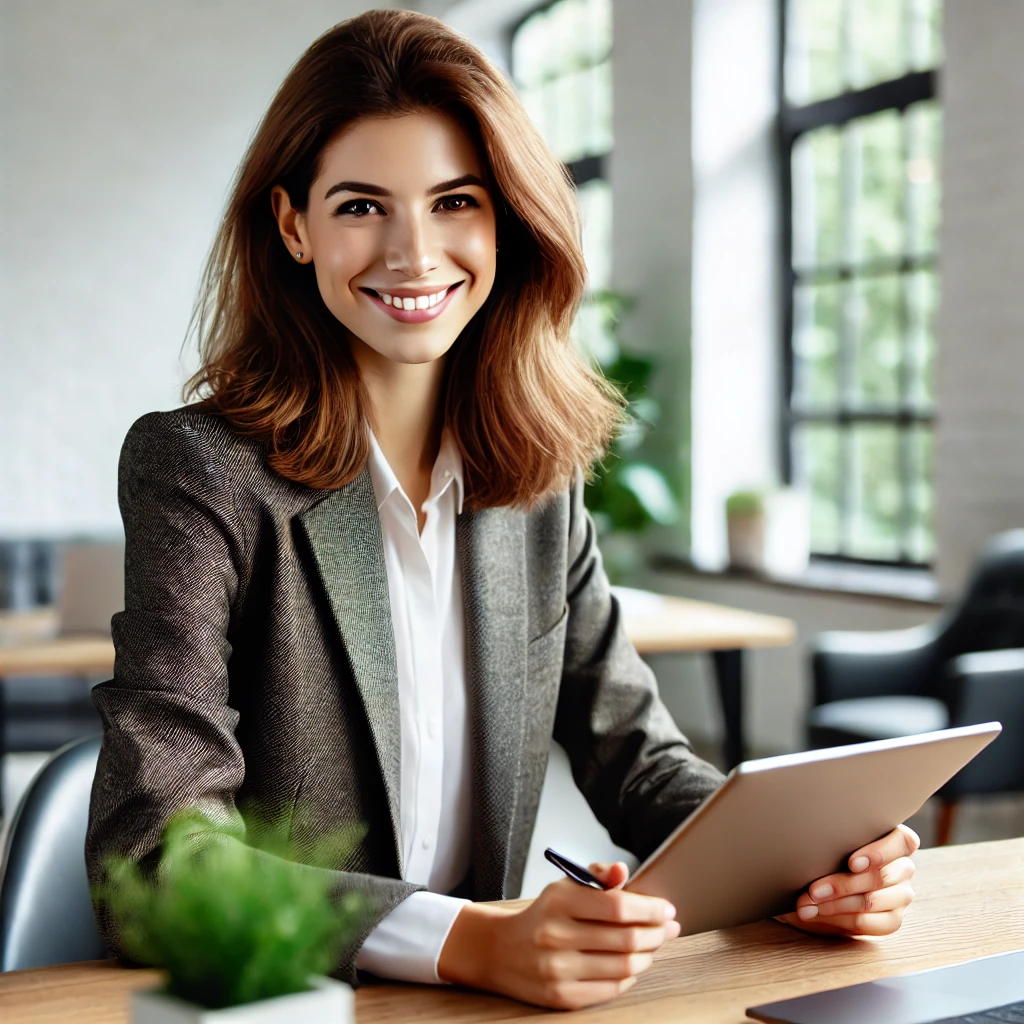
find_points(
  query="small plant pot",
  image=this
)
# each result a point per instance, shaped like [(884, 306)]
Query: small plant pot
[(327, 1002), (746, 541)]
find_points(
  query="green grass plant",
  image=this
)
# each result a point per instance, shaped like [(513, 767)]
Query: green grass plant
[(745, 503), (232, 919)]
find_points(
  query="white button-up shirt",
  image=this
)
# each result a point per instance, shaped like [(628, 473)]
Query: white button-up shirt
[(425, 588)]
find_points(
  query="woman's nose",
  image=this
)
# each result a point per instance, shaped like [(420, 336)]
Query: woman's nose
[(409, 249)]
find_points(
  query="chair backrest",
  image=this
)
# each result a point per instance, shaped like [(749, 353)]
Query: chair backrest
[(990, 616), (46, 915)]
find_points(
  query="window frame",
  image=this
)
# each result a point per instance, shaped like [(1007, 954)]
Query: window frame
[(587, 168), (793, 122)]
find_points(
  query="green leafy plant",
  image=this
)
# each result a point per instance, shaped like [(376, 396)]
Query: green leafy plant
[(744, 503), (627, 494), (231, 922)]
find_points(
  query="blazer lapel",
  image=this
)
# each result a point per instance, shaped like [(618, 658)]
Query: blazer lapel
[(492, 557), (344, 534)]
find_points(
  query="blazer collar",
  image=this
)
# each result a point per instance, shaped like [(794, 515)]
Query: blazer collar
[(344, 534)]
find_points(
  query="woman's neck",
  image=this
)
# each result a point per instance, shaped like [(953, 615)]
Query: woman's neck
[(407, 418)]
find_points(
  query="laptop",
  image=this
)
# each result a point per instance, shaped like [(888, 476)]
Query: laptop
[(989, 990)]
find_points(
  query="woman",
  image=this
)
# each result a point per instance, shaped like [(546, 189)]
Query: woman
[(360, 579)]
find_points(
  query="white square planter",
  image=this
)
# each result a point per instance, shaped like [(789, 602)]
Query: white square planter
[(327, 1002)]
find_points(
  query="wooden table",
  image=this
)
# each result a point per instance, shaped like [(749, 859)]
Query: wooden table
[(84, 655), (970, 903), (656, 623), (660, 624)]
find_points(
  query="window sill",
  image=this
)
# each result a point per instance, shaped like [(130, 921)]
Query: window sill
[(906, 586)]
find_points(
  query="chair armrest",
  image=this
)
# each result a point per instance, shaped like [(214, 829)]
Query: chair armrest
[(848, 665), (988, 686)]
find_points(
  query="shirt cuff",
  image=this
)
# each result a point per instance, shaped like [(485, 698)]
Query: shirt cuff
[(406, 944)]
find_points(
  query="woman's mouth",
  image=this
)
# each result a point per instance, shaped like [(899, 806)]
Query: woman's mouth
[(397, 307)]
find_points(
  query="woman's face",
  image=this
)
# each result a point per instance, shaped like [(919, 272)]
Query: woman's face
[(400, 229)]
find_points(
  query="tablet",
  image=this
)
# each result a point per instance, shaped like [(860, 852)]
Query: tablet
[(776, 825)]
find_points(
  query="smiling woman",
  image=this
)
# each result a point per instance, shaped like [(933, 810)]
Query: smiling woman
[(361, 584), (396, 161)]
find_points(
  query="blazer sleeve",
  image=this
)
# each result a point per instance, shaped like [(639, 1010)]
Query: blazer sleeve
[(168, 729), (633, 765)]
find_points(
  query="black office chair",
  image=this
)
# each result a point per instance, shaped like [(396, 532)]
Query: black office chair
[(46, 916), (965, 667)]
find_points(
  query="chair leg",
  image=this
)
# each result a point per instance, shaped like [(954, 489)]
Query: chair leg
[(944, 826)]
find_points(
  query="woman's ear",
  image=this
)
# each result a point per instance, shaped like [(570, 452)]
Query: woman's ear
[(292, 225)]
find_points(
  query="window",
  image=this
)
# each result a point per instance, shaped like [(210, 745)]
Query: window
[(561, 66), (860, 129)]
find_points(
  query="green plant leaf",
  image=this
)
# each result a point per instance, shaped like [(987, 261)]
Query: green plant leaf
[(233, 912), (652, 491)]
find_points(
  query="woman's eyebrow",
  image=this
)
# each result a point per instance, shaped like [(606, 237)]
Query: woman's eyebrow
[(376, 190)]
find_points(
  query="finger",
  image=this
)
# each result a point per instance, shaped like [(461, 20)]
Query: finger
[(877, 901), (849, 925), (613, 906), (611, 875), (597, 938), (574, 995), (845, 884), (575, 965), (902, 841)]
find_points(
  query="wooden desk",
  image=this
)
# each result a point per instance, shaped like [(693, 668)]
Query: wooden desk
[(970, 903), (656, 623), (660, 624), (84, 655), (30, 646)]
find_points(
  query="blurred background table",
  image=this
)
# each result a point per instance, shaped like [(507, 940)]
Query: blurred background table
[(661, 624)]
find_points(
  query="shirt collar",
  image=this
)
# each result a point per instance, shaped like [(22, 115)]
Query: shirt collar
[(448, 461)]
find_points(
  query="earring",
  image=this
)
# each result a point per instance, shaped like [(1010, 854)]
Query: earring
[(298, 255)]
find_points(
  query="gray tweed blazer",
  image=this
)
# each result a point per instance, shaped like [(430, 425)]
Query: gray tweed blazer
[(256, 661)]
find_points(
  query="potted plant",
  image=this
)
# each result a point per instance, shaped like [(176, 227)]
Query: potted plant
[(745, 524), (244, 937), (627, 494)]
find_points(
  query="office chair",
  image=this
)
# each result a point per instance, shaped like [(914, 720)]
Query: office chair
[(46, 916), (965, 667)]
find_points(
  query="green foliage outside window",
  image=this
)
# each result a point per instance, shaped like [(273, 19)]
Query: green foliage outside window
[(865, 220)]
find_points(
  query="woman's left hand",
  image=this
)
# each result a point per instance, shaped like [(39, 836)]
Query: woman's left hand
[(870, 899)]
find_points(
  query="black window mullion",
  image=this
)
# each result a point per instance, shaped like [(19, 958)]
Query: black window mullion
[(839, 111), (897, 94)]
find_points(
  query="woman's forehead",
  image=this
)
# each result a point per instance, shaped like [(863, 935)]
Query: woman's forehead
[(410, 151)]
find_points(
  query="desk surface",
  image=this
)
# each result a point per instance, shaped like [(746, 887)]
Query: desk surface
[(970, 902), (660, 623), (656, 623)]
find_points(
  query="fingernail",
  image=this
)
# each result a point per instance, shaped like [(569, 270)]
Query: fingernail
[(808, 912), (822, 892), (859, 863), (669, 912)]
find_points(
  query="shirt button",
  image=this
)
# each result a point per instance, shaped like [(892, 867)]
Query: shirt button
[(447, 474), (427, 842)]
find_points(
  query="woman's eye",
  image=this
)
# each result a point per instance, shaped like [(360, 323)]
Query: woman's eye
[(357, 207), (454, 204)]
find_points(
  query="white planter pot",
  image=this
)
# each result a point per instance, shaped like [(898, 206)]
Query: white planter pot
[(746, 542), (327, 1002)]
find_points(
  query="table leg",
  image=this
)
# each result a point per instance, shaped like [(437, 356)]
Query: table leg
[(729, 672), (3, 746)]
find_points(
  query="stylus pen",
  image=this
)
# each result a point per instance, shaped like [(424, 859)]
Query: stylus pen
[(573, 870)]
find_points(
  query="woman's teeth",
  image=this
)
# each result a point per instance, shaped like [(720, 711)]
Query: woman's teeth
[(420, 302)]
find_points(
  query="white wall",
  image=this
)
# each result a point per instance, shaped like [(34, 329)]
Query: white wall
[(735, 346), (980, 437), (122, 124), (652, 206)]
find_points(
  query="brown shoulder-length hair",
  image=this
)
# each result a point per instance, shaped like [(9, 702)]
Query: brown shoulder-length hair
[(525, 409)]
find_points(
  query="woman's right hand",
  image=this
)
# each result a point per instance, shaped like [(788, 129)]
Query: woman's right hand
[(571, 947)]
